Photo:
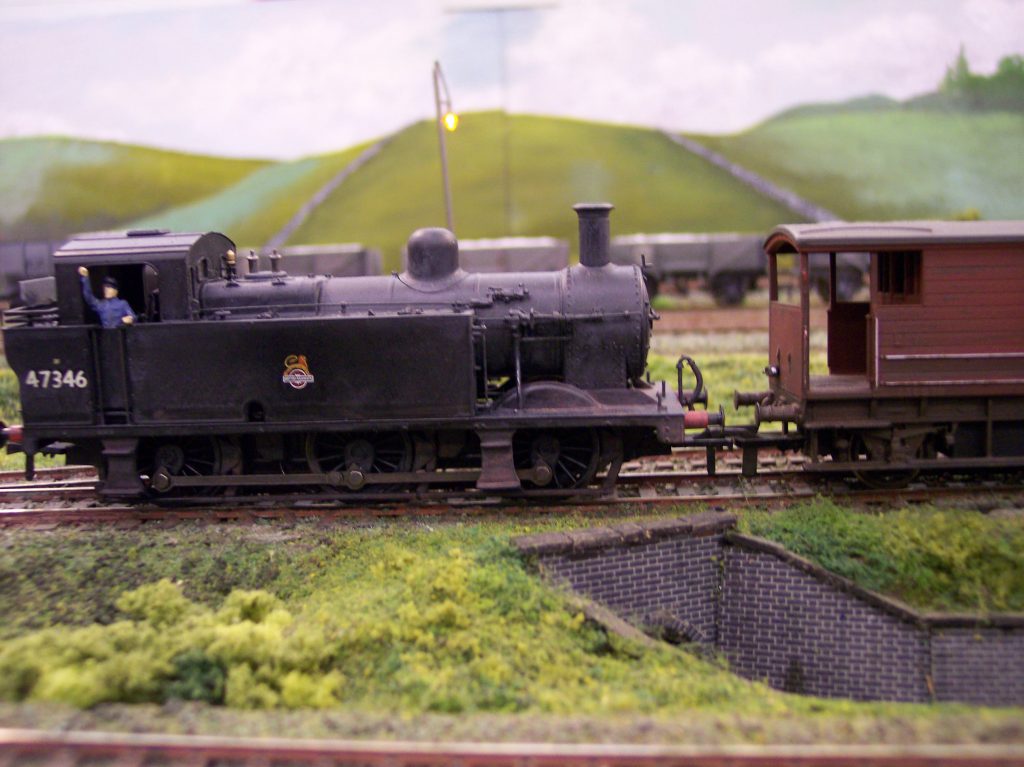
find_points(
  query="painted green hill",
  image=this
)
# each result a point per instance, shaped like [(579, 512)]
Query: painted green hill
[(255, 208), (890, 162), (554, 163), (50, 187)]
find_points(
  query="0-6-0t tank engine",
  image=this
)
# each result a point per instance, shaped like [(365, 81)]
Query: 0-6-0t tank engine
[(435, 377)]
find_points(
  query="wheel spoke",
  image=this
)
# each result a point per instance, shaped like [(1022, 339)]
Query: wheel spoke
[(570, 459), (572, 455), (381, 453)]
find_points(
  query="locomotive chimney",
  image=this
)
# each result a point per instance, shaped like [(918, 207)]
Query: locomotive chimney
[(432, 254), (594, 233)]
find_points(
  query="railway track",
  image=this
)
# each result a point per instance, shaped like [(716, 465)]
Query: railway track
[(677, 480), (96, 749)]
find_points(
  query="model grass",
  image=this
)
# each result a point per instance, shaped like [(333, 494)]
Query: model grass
[(937, 560), (398, 618)]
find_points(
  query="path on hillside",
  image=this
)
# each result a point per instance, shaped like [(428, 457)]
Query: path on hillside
[(759, 184), (323, 193)]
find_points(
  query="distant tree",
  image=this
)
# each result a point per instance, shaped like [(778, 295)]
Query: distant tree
[(958, 74), (1011, 66), (1005, 89), (963, 89)]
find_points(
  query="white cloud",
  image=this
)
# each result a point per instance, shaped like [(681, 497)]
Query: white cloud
[(63, 10), (900, 55), (1001, 24), (291, 78)]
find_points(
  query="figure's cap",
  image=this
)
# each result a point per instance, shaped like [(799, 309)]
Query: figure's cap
[(110, 282)]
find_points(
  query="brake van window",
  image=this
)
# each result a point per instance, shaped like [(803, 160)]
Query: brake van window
[(899, 277)]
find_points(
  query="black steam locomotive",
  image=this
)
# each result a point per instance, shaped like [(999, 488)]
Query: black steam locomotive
[(527, 383)]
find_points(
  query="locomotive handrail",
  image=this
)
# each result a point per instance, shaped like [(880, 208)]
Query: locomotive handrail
[(699, 395), (342, 308)]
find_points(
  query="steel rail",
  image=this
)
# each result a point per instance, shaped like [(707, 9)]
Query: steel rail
[(79, 483), (50, 472), (70, 749), (295, 508)]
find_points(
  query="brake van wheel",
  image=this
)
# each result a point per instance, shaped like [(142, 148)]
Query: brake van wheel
[(351, 456), (880, 479)]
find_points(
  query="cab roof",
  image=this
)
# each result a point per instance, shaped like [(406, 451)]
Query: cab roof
[(142, 242), (901, 235)]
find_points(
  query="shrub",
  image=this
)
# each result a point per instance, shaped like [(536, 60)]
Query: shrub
[(160, 603), (196, 677)]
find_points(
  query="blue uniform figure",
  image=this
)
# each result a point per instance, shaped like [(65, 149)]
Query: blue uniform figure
[(112, 311)]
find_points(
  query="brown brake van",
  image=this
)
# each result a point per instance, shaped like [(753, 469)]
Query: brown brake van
[(925, 367)]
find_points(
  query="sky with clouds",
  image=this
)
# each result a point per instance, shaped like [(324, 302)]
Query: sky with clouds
[(286, 78)]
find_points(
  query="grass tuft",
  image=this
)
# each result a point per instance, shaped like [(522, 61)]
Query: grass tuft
[(943, 560)]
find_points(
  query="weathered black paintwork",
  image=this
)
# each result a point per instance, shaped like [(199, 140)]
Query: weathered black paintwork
[(432, 350)]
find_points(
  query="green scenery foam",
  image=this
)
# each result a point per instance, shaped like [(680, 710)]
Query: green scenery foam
[(934, 559), (890, 164), (52, 187), (410, 618), (553, 164), (259, 205)]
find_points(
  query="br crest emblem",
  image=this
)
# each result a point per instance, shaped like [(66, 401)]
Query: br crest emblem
[(296, 371)]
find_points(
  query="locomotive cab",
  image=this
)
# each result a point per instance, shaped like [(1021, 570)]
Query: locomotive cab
[(158, 273), (74, 374)]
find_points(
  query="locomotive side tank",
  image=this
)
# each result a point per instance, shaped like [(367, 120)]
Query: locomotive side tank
[(434, 376), (607, 305)]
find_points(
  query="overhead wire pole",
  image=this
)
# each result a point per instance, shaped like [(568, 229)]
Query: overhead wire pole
[(506, 152)]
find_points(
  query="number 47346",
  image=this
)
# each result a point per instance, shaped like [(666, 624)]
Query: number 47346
[(56, 379)]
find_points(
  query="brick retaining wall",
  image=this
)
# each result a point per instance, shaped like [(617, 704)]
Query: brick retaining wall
[(645, 573), (801, 634), (783, 619), (979, 664)]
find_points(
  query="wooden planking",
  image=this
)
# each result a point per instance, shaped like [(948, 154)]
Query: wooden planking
[(1007, 285), (1001, 291), (983, 277), (965, 275), (897, 371), (991, 261), (976, 327), (975, 257), (785, 334), (970, 322), (937, 339), (931, 343)]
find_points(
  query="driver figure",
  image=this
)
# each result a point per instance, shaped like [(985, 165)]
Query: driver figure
[(112, 311)]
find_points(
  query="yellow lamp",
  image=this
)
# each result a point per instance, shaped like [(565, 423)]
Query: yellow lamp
[(451, 121)]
